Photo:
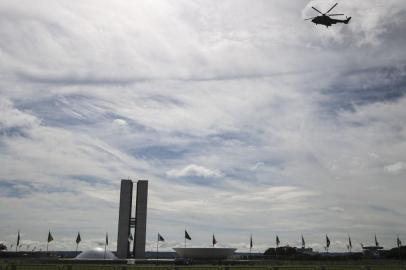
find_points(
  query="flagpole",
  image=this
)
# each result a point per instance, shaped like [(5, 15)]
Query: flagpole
[(250, 245), (18, 240), (277, 244), (157, 242), (400, 254), (78, 239), (399, 245), (105, 247), (49, 239)]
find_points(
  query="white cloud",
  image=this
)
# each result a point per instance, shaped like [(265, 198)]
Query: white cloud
[(11, 117), (395, 168), (193, 170), (120, 122)]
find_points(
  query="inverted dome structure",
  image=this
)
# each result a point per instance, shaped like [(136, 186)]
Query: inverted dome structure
[(205, 253), (96, 254)]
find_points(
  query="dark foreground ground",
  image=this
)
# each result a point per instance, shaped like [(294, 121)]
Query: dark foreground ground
[(230, 265)]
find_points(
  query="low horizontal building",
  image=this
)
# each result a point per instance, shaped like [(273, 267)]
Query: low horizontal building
[(205, 253)]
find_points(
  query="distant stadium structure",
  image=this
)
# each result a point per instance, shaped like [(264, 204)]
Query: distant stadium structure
[(125, 235)]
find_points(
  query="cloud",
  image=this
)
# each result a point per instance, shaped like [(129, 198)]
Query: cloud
[(14, 120), (120, 122), (395, 168), (193, 170), (235, 111)]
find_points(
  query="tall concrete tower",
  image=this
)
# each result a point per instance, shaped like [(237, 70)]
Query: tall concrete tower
[(124, 218), (141, 219), (125, 222)]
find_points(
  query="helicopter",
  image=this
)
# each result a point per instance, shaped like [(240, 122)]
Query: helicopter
[(325, 19)]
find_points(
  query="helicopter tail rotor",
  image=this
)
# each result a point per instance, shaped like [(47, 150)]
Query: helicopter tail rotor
[(347, 20)]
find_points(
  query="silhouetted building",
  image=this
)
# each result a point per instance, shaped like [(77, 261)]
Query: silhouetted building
[(140, 231), (124, 219), (125, 236)]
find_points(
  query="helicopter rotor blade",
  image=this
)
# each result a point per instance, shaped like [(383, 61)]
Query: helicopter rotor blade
[(331, 8), (335, 14), (317, 10), (309, 18)]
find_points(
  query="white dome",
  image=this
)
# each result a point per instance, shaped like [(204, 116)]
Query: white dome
[(96, 254)]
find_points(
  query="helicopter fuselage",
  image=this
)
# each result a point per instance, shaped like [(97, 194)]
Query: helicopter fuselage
[(327, 21)]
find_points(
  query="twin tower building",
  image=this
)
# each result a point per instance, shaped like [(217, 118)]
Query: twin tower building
[(132, 231)]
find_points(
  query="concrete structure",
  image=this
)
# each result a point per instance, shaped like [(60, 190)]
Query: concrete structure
[(124, 218), (140, 219), (125, 222)]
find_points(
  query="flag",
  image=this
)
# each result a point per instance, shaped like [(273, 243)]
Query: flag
[(376, 241), (303, 242), (130, 238), (78, 239), (187, 236), (50, 238), (160, 238), (398, 242), (18, 239), (251, 245), (214, 240), (107, 239), (349, 242), (277, 241), (327, 241)]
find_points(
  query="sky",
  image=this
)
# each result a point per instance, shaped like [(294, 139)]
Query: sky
[(244, 118)]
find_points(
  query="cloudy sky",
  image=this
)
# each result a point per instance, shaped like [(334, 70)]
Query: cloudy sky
[(243, 117)]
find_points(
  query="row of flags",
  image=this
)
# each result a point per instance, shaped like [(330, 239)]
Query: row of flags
[(187, 237), (328, 242), (349, 245), (50, 238)]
